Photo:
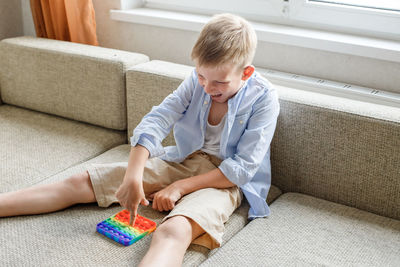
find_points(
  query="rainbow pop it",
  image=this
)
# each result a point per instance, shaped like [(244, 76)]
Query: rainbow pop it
[(118, 229)]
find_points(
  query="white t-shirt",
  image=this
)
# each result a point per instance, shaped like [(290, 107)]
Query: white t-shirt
[(213, 137)]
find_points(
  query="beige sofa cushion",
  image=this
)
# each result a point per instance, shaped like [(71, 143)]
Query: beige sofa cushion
[(307, 231), (69, 237), (340, 150), (35, 145), (76, 81)]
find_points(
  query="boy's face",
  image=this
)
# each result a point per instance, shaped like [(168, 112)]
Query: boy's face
[(222, 82)]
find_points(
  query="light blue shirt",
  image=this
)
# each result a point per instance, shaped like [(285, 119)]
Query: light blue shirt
[(245, 139)]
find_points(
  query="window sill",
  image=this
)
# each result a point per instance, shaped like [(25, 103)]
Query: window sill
[(314, 39)]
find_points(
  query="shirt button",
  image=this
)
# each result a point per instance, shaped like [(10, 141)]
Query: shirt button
[(241, 122), (205, 102)]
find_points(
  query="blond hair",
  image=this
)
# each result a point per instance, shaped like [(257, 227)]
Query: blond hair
[(226, 38)]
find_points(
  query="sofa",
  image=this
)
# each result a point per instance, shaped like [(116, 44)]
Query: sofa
[(335, 193)]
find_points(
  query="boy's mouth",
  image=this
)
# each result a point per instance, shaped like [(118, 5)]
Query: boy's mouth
[(216, 95)]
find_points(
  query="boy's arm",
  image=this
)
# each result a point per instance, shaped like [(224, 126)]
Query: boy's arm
[(214, 179), (131, 193), (157, 124), (254, 142), (165, 199)]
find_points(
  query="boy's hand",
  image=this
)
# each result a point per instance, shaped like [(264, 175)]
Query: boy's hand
[(165, 199), (129, 195)]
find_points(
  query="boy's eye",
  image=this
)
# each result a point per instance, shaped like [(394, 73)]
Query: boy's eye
[(221, 83)]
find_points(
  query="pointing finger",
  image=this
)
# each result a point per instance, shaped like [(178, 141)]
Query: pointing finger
[(132, 217)]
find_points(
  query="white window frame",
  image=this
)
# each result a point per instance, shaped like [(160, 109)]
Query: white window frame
[(300, 13), (348, 19)]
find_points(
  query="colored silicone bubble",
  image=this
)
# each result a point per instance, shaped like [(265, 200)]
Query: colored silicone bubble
[(117, 228)]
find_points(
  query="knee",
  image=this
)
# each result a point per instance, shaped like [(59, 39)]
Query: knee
[(176, 229), (78, 184), (77, 181), (79, 188)]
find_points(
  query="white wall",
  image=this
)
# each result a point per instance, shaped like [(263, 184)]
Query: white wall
[(16, 19), (175, 45), (10, 19), (27, 21)]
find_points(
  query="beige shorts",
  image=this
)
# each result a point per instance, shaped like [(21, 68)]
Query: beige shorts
[(210, 207)]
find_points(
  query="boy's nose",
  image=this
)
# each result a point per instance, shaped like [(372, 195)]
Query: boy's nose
[(207, 87)]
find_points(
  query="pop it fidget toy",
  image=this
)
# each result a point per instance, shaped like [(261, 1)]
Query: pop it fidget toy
[(118, 229)]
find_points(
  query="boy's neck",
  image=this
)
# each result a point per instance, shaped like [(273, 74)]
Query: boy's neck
[(217, 112)]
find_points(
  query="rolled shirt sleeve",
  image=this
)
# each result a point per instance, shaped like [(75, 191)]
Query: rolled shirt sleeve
[(157, 124), (155, 148)]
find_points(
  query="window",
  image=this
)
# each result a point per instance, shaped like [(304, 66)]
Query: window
[(362, 17)]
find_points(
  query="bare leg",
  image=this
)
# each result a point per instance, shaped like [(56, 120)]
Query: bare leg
[(170, 242), (48, 197)]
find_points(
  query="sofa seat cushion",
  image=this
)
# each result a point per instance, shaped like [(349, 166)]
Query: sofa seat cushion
[(303, 230), (69, 237), (35, 146)]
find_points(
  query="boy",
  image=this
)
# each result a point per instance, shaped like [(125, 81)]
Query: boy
[(224, 116)]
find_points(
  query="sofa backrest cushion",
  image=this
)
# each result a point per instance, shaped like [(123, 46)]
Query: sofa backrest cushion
[(340, 150), (76, 81), (147, 86)]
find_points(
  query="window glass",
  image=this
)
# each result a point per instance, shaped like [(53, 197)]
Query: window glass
[(389, 5)]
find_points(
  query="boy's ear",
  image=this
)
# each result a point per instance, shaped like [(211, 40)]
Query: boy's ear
[(247, 72)]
